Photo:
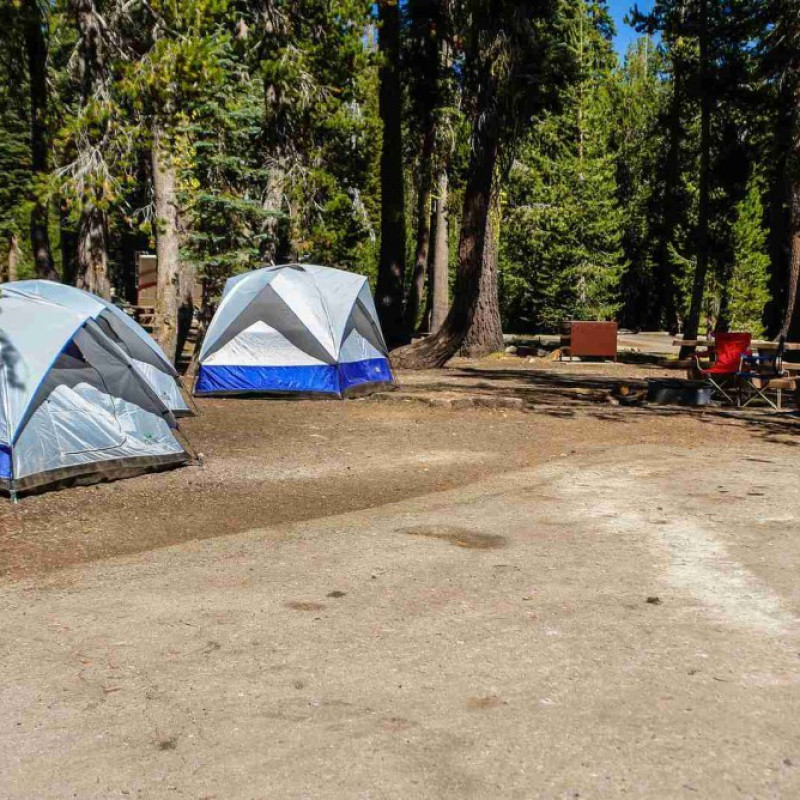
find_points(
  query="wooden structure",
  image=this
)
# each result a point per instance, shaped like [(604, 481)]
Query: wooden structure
[(146, 278), (589, 339), (757, 344), (779, 376)]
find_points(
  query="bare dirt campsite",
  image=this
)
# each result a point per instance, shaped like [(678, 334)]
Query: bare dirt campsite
[(495, 581)]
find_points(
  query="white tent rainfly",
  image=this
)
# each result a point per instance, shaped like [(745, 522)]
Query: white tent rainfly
[(147, 357), (73, 405), (297, 328)]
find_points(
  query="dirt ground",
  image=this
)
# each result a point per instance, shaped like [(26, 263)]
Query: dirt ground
[(492, 583)]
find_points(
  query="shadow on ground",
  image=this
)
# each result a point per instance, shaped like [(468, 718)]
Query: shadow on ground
[(569, 394)]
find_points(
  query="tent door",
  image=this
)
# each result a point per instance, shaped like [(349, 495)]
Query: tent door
[(103, 431)]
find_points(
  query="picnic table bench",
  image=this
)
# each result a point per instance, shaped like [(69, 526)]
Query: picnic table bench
[(759, 344), (787, 380)]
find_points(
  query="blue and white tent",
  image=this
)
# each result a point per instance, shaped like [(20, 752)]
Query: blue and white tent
[(147, 357), (72, 404), (297, 328)]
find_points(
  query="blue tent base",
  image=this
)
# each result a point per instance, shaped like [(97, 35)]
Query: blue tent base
[(5, 462), (324, 379)]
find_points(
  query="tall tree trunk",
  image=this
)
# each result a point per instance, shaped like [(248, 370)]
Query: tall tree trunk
[(391, 265), (439, 277), (93, 251), (436, 350), (274, 224), (169, 289), (791, 318), (186, 283), (779, 225), (12, 264), (663, 308), (69, 245), (485, 334), (428, 51), (93, 226), (36, 47), (423, 231), (791, 324), (692, 325)]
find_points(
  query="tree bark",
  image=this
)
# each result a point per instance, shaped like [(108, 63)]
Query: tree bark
[(391, 265), (172, 292), (692, 324), (423, 232), (12, 264), (439, 279), (791, 318), (93, 226), (663, 309), (791, 325), (36, 47), (428, 49), (93, 251), (439, 348), (69, 245), (274, 247), (485, 334)]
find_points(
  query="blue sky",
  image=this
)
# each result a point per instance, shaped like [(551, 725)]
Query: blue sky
[(625, 34)]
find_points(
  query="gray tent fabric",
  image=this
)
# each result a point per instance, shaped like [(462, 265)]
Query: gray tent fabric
[(297, 328), (72, 403), (147, 357), (268, 304)]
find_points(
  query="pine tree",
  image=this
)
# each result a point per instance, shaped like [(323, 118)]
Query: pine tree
[(639, 95), (562, 248), (749, 281), (390, 286), (781, 55), (513, 65), (15, 169), (320, 138)]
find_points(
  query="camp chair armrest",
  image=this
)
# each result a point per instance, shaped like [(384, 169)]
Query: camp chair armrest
[(751, 359)]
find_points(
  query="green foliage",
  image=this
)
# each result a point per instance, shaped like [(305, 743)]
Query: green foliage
[(321, 128), (749, 280), (269, 111), (561, 245), (226, 179), (638, 94), (14, 162)]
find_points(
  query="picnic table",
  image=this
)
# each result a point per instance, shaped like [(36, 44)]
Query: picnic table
[(762, 345), (752, 387), (759, 344)]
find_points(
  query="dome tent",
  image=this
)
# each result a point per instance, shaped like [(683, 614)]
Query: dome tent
[(294, 328), (147, 357), (72, 405)]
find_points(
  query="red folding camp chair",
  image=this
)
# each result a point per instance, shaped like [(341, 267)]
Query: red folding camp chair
[(729, 350)]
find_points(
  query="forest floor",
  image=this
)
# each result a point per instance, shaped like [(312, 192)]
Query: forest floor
[(535, 593)]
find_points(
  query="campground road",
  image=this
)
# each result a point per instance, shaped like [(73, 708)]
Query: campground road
[(621, 623)]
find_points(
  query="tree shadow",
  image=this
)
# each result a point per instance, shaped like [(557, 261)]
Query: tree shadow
[(573, 395), (10, 358)]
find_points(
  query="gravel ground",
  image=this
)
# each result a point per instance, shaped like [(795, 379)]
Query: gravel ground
[(381, 600)]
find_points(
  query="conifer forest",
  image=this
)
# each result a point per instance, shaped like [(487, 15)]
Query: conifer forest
[(490, 166)]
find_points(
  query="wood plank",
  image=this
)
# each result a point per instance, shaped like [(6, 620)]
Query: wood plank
[(759, 344)]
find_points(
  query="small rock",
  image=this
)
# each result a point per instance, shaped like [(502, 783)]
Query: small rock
[(653, 600), (511, 350)]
